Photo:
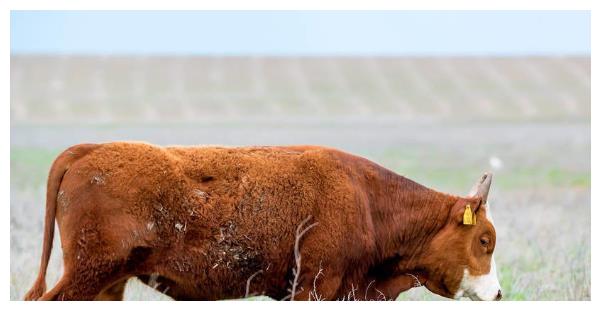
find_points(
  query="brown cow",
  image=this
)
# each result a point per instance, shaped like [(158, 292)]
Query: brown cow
[(209, 223)]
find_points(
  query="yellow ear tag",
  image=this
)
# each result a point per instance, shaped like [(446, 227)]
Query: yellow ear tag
[(467, 216)]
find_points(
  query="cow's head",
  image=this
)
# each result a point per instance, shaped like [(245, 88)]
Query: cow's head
[(461, 262)]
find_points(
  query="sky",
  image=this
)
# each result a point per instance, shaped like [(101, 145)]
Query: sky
[(302, 32)]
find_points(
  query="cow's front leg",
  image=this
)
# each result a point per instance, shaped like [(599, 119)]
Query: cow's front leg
[(114, 292), (391, 288)]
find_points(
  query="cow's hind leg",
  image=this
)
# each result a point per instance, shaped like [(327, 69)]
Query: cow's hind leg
[(88, 281), (101, 247), (95, 278)]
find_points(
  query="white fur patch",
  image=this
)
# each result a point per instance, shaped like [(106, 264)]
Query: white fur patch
[(482, 287)]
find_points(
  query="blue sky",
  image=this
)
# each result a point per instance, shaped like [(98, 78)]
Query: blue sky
[(302, 33)]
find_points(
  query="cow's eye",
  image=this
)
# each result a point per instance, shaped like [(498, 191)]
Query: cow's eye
[(484, 241)]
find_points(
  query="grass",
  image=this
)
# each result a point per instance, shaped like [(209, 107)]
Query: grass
[(29, 166)]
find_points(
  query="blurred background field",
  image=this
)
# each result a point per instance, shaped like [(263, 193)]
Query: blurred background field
[(121, 89), (439, 121)]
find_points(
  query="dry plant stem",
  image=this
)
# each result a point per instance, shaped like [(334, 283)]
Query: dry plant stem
[(381, 294), (314, 293), (297, 256), (249, 280), (367, 288), (417, 283)]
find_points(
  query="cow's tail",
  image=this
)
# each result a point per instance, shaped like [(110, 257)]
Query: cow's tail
[(57, 171)]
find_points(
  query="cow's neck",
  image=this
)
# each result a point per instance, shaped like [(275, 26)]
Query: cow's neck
[(406, 218)]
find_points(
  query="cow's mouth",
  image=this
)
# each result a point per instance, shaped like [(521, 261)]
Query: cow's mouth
[(476, 297)]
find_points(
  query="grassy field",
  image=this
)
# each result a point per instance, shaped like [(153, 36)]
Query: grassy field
[(439, 122)]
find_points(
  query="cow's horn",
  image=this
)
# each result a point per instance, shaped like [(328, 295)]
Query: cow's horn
[(484, 187), (478, 186)]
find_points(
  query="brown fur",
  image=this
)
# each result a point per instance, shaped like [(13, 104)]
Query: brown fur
[(198, 222)]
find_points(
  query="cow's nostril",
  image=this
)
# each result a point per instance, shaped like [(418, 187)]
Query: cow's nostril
[(499, 295)]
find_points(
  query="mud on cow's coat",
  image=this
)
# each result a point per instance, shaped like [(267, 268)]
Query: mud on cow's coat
[(300, 222)]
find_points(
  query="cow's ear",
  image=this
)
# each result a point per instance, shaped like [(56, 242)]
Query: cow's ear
[(482, 187), (465, 210)]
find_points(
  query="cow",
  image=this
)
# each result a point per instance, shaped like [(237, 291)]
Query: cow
[(288, 222)]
